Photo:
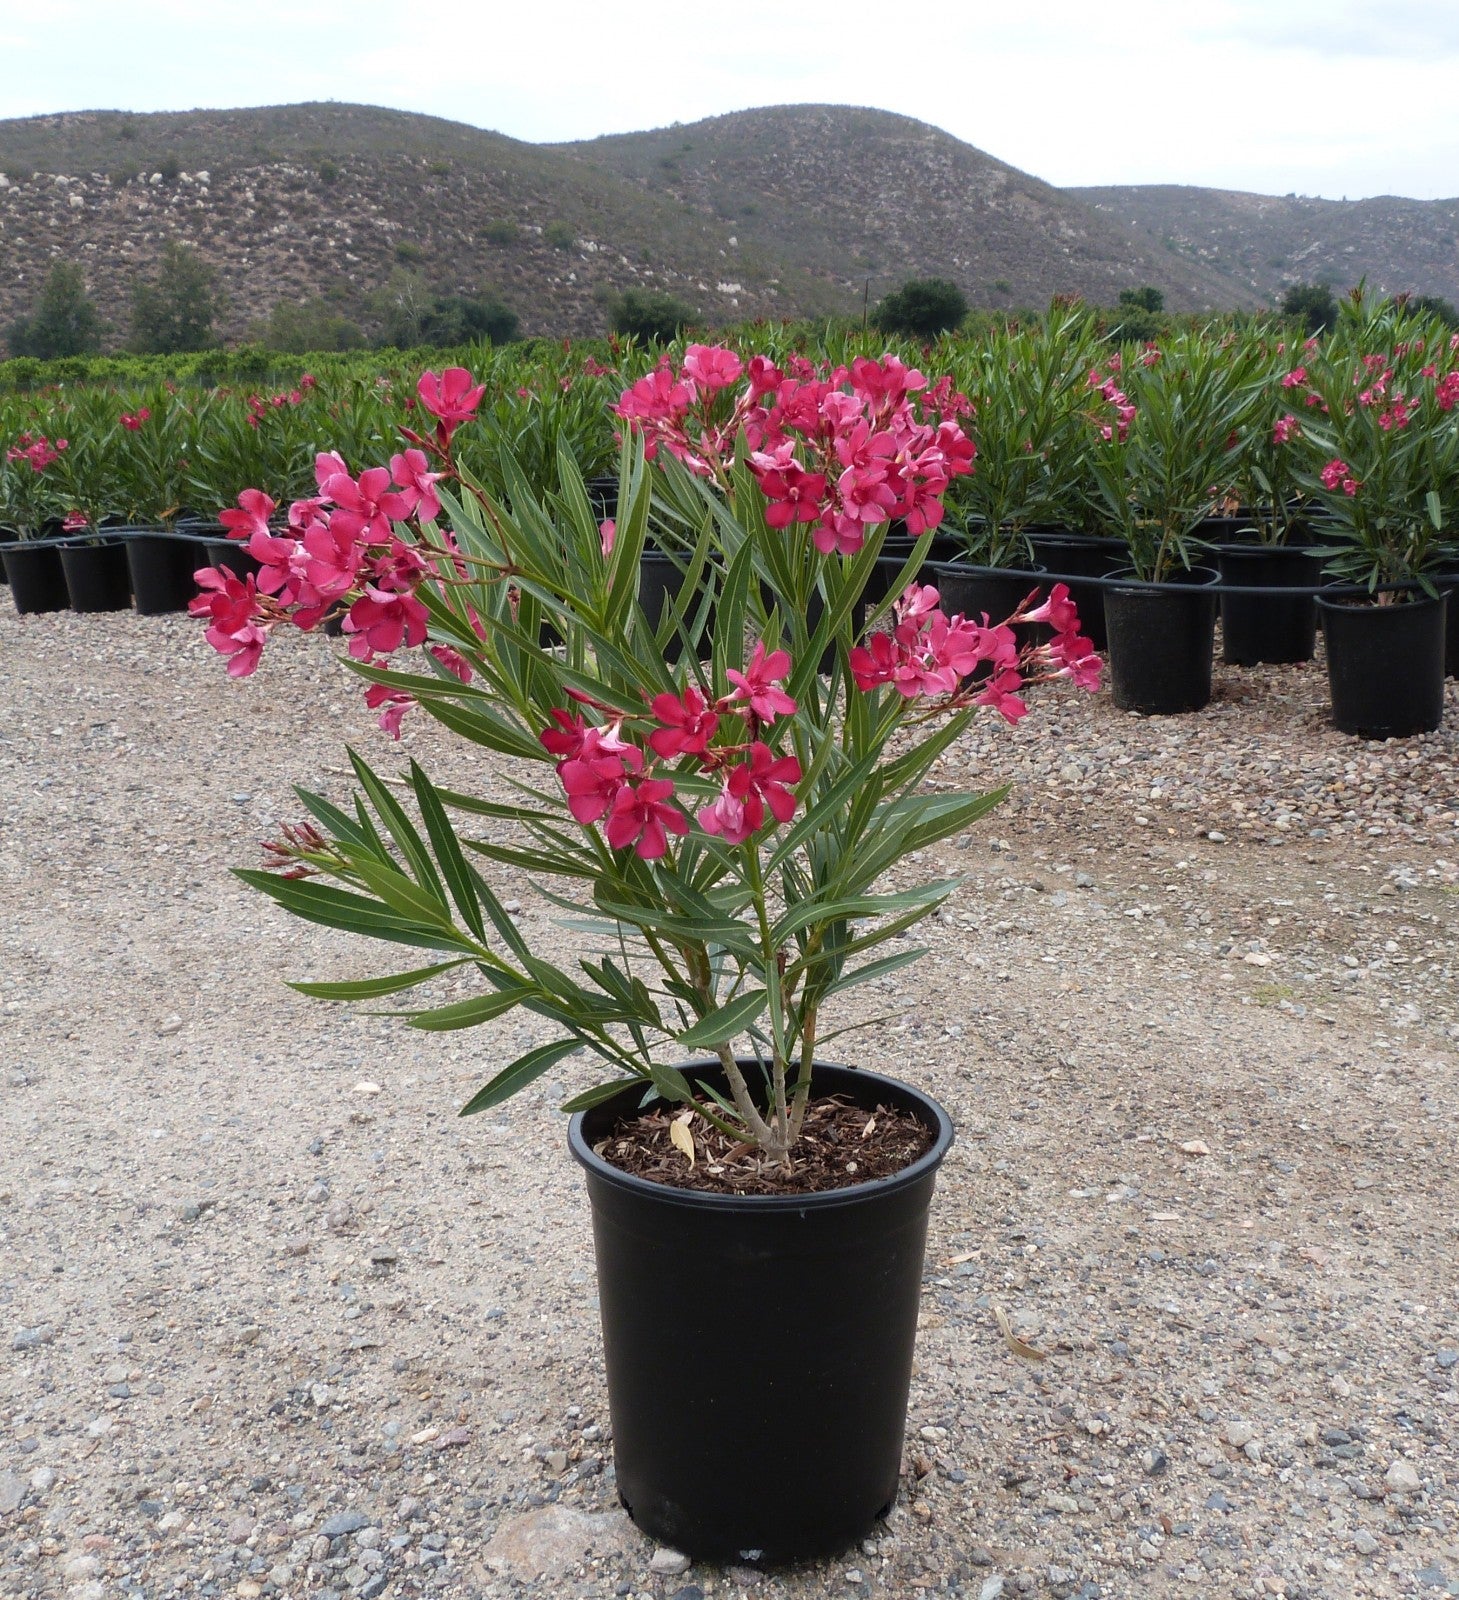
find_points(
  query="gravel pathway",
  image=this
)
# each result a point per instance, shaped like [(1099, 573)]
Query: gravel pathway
[(274, 1322)]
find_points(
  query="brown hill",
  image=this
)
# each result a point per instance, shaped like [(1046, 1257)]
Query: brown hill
[(1264, 243), (850, 195)]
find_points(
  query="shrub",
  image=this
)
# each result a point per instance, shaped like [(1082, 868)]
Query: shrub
[(175, 310), (408, 251), (1142, 299), (328, 173), (1314, 303), (922, 308), (559, 235), (64, 322), (648, 316), (301, 327), (501, 231), (170, 168)]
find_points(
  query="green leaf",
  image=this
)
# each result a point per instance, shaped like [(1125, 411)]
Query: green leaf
[(464, 1013), (339, 908), (448, 851), (524, 1070), (724, 1023), (392, 814), (596, 1095), (374, 988)]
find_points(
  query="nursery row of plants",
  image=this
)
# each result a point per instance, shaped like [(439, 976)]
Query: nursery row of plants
[(1339, 453)]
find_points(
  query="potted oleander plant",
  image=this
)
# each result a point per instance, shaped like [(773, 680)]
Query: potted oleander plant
[(31, 510), (730, 837), (1167, 421), (1378, 449)]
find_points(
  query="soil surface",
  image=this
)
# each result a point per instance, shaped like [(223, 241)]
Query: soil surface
[(273, 1321)]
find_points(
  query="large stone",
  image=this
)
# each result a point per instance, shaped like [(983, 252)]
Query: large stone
[(554, 1540), (344, 1522), (12, 1492)]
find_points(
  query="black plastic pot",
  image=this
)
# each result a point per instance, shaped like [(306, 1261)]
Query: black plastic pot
[(7, 536), (96, 575), (1385, 665), (33, 568), (1267, 628), (1162, 638), (230, 553), (990, 593), (161, 568), (603, 495), (895, 549), (1447, 578), (759, 1348), (1069, 556), (660, 583)]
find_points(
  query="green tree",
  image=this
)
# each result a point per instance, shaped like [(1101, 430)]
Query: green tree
[(1436, 306), (1145, 298), (175, 310), (1314, 303), (922, 308), (300, 327), (652, 317), (411, 314), (64, 321)]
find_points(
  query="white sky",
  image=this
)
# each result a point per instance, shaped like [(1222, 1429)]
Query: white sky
[(1318, 97)]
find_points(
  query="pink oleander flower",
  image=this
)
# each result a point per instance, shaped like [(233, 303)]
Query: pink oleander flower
[(1337, 473), (365, 507), (1059, 611), (395, 703), (257, 508), (642, 817), (769, 775), (417, 484), (451, 397), (737, 813), (74, 522), (592, 781), (380, 622), (1285, 428), (1075, 657), (999, 694), (757, 684), (236, 630), (1298, 375), (607, 534), (712, 367), (688, 724)]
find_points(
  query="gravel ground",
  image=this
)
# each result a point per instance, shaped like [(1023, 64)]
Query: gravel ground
[(273, 1321)]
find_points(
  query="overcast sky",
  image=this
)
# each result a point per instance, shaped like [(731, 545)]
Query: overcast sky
[(1318, 97)]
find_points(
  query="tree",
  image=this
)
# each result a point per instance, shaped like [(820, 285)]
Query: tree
[(922, 308), (175, 310), (64, 322), (1314, 303), (651, 317), (304, 326), (1145, 298), (1435, 306), (411, 314)]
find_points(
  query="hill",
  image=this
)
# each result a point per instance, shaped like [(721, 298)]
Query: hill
[(783, 213), (850, 195), (1264, 243)]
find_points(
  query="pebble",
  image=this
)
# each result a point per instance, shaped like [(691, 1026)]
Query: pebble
[(993, 1587), (1402, 1478), (12, 1492), (1239, 1434), (669, 1562), (43, 1479), (1364, 1543), (343, 1522)]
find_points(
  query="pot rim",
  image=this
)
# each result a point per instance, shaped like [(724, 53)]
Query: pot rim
[(1185, 581), (1348, 597), (822, 1200)]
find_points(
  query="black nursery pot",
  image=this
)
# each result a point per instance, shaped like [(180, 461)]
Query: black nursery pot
[(96, 575), (759, 1348), (895, 549), (660, 584), (1447, 579), (33, 569), (231, 553), (161, 567), (1161, 642), (1258, 628), (1385, 666)]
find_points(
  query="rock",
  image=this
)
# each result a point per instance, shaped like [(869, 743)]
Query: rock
[(368, 1538), (1402, 1478), (79, 1568), (1239, 1434), (1446, 1359), (43, 1479), (239, 1529), (689, 1591), (552, 1540), (344, 1522), (671, 1562), (992, 1587), (1364, 1543), (30, 1338), (1154, 1462), (12, 1492), (281, 1575)]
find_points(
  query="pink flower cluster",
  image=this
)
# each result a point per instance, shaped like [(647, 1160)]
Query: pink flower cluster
[(132, 420), (36, 451), (929, 653), (1337, 473), (1285, 428), (607, 779), (839, 450), (259, 408), (1116, 397), (339, 552)]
